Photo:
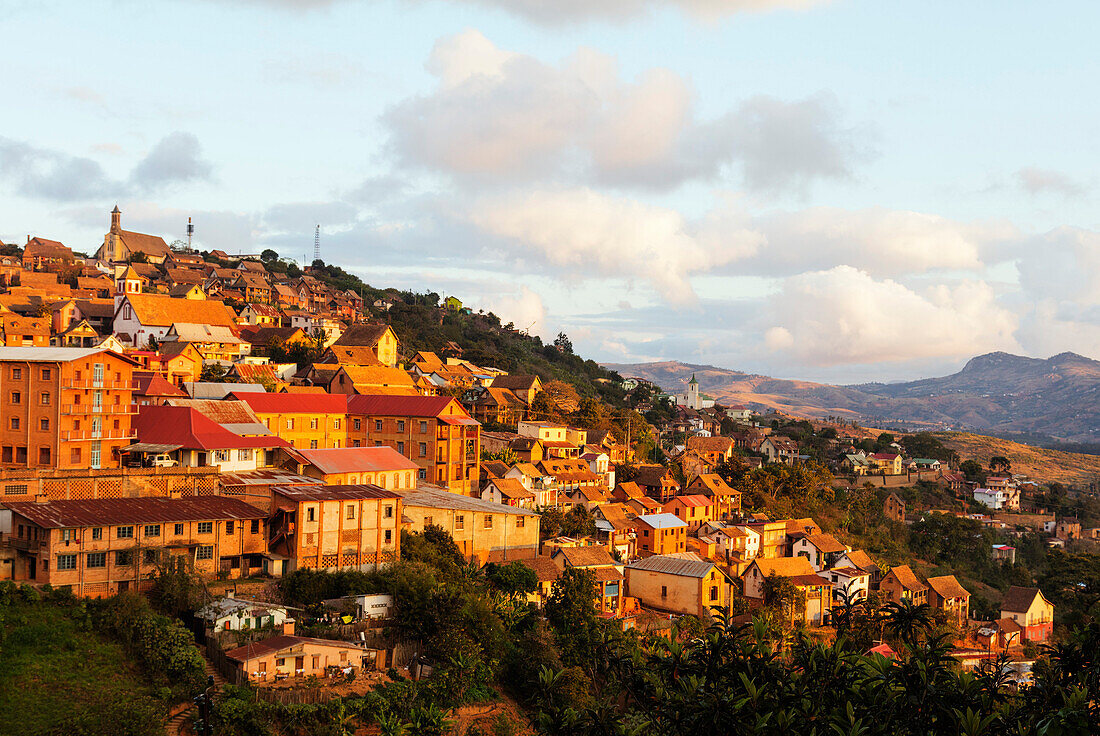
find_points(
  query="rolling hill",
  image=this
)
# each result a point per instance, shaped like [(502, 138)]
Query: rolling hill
[(1041, 401)]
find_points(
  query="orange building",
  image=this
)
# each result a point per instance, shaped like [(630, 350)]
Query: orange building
[(435, 432), (104, 546), (660, 534), (695, 510), (378, 466), (306, 421), (336, 527), (65, 408)]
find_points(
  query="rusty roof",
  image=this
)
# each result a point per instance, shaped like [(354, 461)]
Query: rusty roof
[(593, 556), (267, 647), (222, 412), (355, 459), (114, 511), (267, 477), (686, 565), (333, 493)]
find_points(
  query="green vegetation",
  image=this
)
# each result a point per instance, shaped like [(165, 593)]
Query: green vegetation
[(60, 675)]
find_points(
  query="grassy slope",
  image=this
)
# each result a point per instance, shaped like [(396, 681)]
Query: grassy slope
[(52, 672), (1040, 464)]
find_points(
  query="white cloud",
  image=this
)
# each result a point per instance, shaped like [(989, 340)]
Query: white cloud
[(1034, 181), (524, 310), (589, 235), (843, 315), (502, 116)]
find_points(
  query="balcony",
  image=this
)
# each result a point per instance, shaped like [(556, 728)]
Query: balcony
[(112, 410), (30, 545), (109, 385), (113, 434)]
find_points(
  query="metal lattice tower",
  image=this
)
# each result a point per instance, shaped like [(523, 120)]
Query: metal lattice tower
[(317, 244)]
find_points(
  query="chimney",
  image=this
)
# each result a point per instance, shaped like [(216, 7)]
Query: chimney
[(41, 497), (288, 627)]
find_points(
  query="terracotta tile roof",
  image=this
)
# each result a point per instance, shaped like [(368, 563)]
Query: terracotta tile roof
[(350, 355), (185, 276), (630, 489), (907, 578), (515, 383), (785, 567), (1018, 599), (545, 568), (147, 383), (696, 500), (43, 248), (150, 245), (511, 488), (164, 311), (363, 335), (710, 444), (826, 543), (378, 375), (220, 412), (947, 586), (861, 559), (592, 556), (652, 475), (617, 516), (712, 484), (355, 459), (268, 647), (147, 510)]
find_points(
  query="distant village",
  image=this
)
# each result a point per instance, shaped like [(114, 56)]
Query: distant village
[(150, 412)]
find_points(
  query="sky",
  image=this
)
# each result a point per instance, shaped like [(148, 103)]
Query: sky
[(838, 191)]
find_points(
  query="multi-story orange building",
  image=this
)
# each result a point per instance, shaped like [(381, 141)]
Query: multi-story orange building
[(660, 534), (66, 408), (336, 527), (435, 432), (306, 421), (104, 546)]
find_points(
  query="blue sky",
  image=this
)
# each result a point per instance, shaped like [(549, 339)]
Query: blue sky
[(839, 191)]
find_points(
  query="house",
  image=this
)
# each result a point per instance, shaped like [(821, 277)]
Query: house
[(1067, 529), (779, 450), (534, 481), (435, 432), (547, 572), (860, 560), (342, 527), (1004, 552), (18, 331), (657, 482), (990, 498), (817, 590), (484, 531), (192, 440), (306, 421), (40, 254), (1001, 634), (695, 510), (381, 339), (901, 583), (607, 571), (886, 463), (508, 491), (822, 550), (1030, 610), (679, 583), (893, 508), (727, 501), (523, 387), (856, 463), (215, 343), (152, 388), (139, 316), (122, 245), (378, 466), (660, 534), (924, 463), (102, 546), (236, 614), (849, 583), (715, 450), (615, 527), (954, 481), (285, 656), (554, 438), (64, 408), (946, 594)]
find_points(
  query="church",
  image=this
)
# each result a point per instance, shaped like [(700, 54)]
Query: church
[(119, 246), (692, 399)]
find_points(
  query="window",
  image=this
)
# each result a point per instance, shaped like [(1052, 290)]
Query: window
[(221, 456), (714, 592), (336, 424), (94, 455), (15, 490), (205, 552), (311, 513), (229, 527), (152, 530), (356, 443), (16, 397), (387, 512), (290, 424), (43, 456), (280, 662), (124, 557), (423, 428), (44, 398), (377, 425), (460, 521), (244, 455), (488, 521), (15, 422), (423, 449), (45, 374), (388, 539), (350, 512), (400, 425), (357, 424), (427, 521), (422, 474), (16, 373), (97, 559), (520, 522), (21, 455), (254, 528), (313, 444), (178, 530), (66, 562), (206, 527), (44, 425), (149, 556), (124, 532), (664, 591), (97, 533), (401, 447), (6, 454), (313, 424)]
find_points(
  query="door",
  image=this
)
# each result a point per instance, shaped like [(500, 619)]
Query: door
[(299, 665), (32, 568)]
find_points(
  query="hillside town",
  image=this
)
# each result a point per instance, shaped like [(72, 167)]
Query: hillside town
[(162, 406)]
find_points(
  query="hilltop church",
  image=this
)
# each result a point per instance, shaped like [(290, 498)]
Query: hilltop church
[(692, 399)]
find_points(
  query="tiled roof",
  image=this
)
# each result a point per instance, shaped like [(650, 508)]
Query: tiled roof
[(148, 510), (692, 500), (378, 375), (630, 489), (545, 569), (164, 311), (511, 488), (43, 248), (147, 383), (362, 335), (221, 412), (591, 556), (947, 586), (712, 484), (861, 559), (785, 567), (150, 245), (826, 543), (1018, 599), (265, 403), (355, 459), (515, 383), (907, 578), (710, 444)]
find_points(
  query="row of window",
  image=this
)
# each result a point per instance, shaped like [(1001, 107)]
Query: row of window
[(17, 374), (11, 454), (224, 456), (487, 521), (311, 512), (357, 423), (43, 398), (124, 557), (154, 530)]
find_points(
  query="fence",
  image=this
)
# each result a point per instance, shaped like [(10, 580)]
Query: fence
[(226, 667)]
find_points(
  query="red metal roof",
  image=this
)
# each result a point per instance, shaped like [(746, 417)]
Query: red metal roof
[(114, 511), (355, 459), (400, 406), (186, 427), (692, 500), (265, 403), (147, 383)]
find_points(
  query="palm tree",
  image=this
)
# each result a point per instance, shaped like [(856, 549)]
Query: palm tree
[(907, 620)]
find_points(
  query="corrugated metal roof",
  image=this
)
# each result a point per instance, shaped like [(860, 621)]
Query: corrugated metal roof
[(295, 403), (407, 406), (56, 355), (266, 647), (674, 565), (267, 477), (356, 459), (437, 498), (662, 521), (333, 493), (114, 511), (222, 412), (207, 390), (186, 427)]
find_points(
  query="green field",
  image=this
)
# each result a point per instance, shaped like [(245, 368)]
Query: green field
[(59, 677)]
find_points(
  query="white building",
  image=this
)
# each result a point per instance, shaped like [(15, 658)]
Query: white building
[(692, 399), (235, 614), (990, 498), (849, 581)]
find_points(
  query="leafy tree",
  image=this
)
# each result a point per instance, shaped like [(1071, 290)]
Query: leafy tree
[(973, 471), (563, 343), (214, 373), (1000, 464), (268, 255), (139, 257), (571, 611), (514, 579)]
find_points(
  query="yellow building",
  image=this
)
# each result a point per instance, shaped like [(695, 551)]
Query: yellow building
[(306, 421), (678, 583)]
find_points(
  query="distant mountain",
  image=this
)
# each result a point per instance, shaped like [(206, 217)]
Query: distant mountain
[(1039, 401)]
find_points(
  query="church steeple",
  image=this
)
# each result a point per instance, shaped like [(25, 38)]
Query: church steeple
[(693, 379), (116, 220)]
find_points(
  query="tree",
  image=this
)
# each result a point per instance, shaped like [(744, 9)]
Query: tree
[(514, 579), (1000, 464), (214, 373), (139, 257), (268, 255), (563, 343), (973, 471)]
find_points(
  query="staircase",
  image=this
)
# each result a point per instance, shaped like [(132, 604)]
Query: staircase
[(181, 716)]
